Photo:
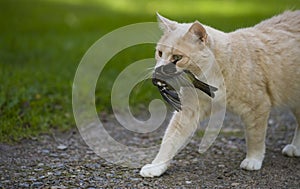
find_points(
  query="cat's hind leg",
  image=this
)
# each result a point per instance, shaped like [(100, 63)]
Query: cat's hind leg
[(255, 131), (293, 149)]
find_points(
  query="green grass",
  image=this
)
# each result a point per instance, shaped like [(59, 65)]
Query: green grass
[(42, 43)]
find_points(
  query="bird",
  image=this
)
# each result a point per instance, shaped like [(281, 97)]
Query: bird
[(168, 81)]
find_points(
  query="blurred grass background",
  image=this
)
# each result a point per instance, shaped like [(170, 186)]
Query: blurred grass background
[(42, 42)]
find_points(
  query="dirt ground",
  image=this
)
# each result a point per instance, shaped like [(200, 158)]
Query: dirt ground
[(63, 160)]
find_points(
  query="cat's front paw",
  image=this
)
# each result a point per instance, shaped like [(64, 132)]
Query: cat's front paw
[(291, 150), (153, 170), (251, 164)]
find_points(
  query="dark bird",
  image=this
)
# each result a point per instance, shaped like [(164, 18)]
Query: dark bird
[(166, 77)]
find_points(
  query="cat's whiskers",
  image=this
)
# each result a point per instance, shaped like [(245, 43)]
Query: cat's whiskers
[(151, 68), (147, 75)]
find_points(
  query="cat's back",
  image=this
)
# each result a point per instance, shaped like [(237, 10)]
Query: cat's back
[(279, 36), (288, 21), (273, 48), (273, 36)]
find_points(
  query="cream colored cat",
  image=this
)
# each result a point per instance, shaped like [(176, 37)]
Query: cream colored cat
[(261, 69)]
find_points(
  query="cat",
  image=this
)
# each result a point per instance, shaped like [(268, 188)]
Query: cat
[(260, 69)]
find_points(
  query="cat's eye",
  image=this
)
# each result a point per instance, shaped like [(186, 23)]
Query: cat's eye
[(176, 58), (159, 53)]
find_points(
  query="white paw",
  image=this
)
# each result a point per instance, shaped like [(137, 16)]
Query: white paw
[(291, 150), (153, 170), (251, 164)]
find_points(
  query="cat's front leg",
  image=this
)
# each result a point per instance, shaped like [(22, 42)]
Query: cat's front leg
[(255, 131), (181, 127)]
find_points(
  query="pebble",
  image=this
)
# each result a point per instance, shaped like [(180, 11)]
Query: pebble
[(235, 184), (45, 151), (36, 184), (98, 178), (49, 173), (62, 147), (53, 155), (188, 182), (93, 165), (42, 177), (233, 147), (57, 173), (271, 121), (135, 179), (64, 154), (32, 179), (59, 165), (24, 185), (109, 175), (90, 152), (38, 169), (17, 174), (58, 187)]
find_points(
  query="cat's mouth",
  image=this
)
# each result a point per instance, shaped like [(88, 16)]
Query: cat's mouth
[(168, 70), (168, 80)]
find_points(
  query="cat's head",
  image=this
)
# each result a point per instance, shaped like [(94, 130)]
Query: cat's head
[(185, 45)]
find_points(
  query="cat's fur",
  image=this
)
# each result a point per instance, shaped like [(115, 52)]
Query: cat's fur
[(261, 69)]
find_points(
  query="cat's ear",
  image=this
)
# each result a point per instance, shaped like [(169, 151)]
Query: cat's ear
[(199, 31), (166, 24)]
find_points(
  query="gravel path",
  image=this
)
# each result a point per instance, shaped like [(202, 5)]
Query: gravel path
[(63, 160)]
